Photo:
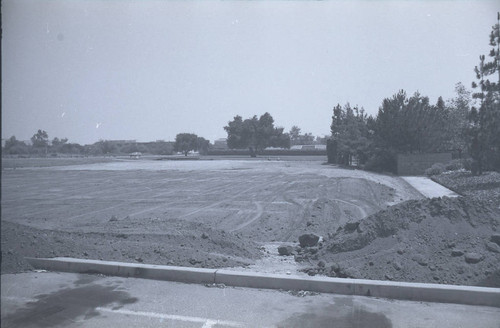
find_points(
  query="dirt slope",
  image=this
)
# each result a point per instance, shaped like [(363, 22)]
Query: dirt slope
[(194, 245), (441, 240)]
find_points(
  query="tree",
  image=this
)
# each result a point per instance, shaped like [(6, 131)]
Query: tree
[(457, 122), (202, 145), (411, 125), (236, 134), (350, 136), (294, 135), (102, 147), (9, 143), (484, 129), (185, 142), (296, 138), (255, 133), (14, 146), (71, 148), (321, 140), (40, 139), (56, 142)]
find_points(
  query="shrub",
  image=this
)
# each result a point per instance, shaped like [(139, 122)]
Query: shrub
[(467, 163), (435, 169), (454, 165), (382, 161), (331, 151)]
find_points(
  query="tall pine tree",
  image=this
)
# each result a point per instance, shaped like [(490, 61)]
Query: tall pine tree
[(484, 131)]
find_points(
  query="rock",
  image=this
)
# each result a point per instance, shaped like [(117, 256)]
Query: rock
[(321, 264), (348, 273), (285, 250), (492, 247), (194, 261), (389, 276), (495, 238), (397, 266), (113, 218), (204, 236), (335, 267), (312, 250), (139, 259), (298, 258), (473, 258), (456, 252), (420, 259), (308, 240), (351, 226)]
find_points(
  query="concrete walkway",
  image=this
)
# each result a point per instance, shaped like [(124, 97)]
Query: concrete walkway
[(48, 299), (429, 188)]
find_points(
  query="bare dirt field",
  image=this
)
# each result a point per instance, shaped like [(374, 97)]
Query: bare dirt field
[(205, 213), (236, 213)]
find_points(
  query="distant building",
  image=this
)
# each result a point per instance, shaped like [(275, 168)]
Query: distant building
[(309, 147), (121, 142), (220, 144)]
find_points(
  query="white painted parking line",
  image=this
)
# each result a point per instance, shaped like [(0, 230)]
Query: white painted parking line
[(207, 323)]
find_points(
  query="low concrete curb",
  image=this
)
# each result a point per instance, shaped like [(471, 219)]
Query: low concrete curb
[(375, 288)]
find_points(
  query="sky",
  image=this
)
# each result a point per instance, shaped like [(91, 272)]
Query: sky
[(148, 70)]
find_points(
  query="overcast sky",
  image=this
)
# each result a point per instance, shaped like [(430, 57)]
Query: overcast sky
[(147, 70)]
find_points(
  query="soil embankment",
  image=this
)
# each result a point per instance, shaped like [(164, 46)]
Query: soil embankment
[(197, 246), (440, 240)]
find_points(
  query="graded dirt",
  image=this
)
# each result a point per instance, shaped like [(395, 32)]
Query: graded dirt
[(218, 213)]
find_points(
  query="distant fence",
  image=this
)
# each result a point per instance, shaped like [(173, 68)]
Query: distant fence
[(267, 152), (416, 164)]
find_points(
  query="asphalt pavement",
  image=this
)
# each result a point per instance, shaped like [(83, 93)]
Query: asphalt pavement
[(50, 299)]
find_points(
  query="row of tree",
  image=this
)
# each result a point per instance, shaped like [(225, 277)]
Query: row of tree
[(259, 133), (42, 146), (413, 125), (253, 133), (256, 134), (403, 125)]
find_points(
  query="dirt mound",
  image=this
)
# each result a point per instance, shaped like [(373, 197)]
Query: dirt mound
[(197, 247), (441, 240)]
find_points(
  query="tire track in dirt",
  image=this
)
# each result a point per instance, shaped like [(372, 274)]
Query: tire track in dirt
[(107, 191), (361, 210), (232, 197), (257, 215)]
